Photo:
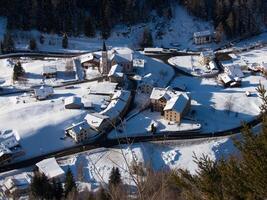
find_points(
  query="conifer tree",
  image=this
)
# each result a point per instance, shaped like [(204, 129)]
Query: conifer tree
[(32, 44), (65, 41), (18, 71), (115, 177), (8, 43), (70, 184)]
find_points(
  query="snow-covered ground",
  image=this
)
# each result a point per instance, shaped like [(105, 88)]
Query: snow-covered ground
[(93, 167), (39, 122), (123, 35), (145, 119), (34, 70), (211, 102), (192, 65)]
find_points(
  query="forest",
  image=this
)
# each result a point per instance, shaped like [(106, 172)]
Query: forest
[(76, 17)]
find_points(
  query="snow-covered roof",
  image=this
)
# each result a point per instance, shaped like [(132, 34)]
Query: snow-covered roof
[(50, 168), (156, 49), (118, 103), (177, 103), (203, 33), (76, 128), (121, 58), (121, 94), (4, 150), (158, 93), (212, 65), (103, 88), (19, 181), (234, 71), (207, 54), (73, 100), (116, 71), (86, 57), (226, 78), (49, 69), (43, 91), (9, 142), (138, 62), (95, 119), (122, 50)]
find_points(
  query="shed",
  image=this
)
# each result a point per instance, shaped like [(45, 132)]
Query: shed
[(73, 102)]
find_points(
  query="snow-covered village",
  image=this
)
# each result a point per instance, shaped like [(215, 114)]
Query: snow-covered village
[(150, 110)]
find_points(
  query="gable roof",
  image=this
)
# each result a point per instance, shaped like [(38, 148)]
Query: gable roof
[(177, 103), (50, 168)]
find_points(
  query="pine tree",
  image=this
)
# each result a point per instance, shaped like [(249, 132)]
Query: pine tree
[(57, 189), (102, 194), (70, 184), (115, 177), (147, 39), (89, 29), (32, 44), (18, 71), (8, 43), (65, 41)]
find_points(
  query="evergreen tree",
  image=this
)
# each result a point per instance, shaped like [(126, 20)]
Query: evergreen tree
[(32, 44), (65, 41), (70, 184), (102, 194), (18, 71), (147, 39), (40, 187), (89, 29), (115, 177), (8, 45), (57, 189)]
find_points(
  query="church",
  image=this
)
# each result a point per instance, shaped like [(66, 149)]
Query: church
[(116, 56)]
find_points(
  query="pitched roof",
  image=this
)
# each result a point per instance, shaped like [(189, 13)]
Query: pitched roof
[(116, 71), (50, 168), (177, 103), (95, 119)]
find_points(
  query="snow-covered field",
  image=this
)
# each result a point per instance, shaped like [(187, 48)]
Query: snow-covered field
[(192, 65), (211, 102), (40, 124), (145, 119), (34, 70)]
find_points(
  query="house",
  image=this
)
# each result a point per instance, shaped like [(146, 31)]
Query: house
[(17, 185), (151, 50), (203, 37), (173, 105), (123, 57), (177, 107), (146, 84), (5, 155), (206, 57), (43, 92), (229, 81), (80, 132), (49, 71), (73, 102), (97, 121), (118, 106), (115, 74), (234, 71), (50, 168), (86, 60), (212, 65)]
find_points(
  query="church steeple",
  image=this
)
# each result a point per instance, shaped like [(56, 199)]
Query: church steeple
[(104, 46)]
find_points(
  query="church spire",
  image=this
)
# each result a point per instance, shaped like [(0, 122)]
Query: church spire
[(104, 46)]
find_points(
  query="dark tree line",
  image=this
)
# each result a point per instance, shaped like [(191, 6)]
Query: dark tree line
[(78, 16), (234, 17)]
